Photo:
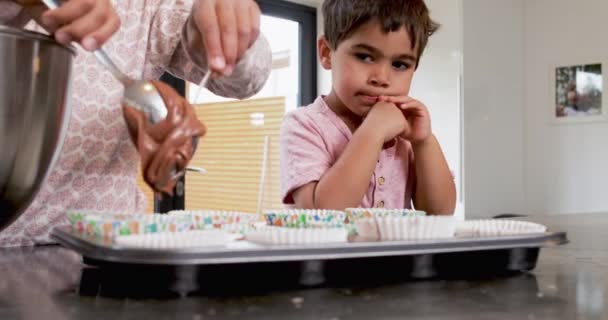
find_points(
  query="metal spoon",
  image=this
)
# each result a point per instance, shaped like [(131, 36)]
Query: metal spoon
[(196, 169), (140, 94)]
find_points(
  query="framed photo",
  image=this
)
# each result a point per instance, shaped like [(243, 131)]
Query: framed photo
[(578, 93)]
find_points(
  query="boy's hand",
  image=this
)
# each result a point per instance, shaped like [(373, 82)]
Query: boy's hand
[(89, 22), (418, 120), (228, 28), (386, 119)]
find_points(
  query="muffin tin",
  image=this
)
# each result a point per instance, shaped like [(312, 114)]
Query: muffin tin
[(243, 252), (299, 259)]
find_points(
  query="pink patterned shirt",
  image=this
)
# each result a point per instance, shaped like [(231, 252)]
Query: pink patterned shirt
[(97, 166), (312, 140)]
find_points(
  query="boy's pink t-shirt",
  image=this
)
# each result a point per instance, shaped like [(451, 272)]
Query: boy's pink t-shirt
[(312, 140)]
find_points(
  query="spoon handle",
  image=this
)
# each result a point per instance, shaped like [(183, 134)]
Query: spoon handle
[(202, 85), (100, 54), (105, 60)]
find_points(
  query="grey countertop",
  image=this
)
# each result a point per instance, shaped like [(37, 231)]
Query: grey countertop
[(569, 282)]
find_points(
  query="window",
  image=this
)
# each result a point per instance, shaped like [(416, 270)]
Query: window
[(240, 151)]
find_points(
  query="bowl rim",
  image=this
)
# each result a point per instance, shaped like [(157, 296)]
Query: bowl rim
[(27, 34)]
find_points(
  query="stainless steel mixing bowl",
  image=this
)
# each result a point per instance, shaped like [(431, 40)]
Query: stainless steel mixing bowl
[(34, 113)]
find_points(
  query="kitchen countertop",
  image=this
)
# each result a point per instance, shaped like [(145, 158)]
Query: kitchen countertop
[(569, 282)]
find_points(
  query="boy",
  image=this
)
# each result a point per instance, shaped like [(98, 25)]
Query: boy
[(367, 143)]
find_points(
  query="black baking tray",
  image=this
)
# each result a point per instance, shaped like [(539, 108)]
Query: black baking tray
[(246, 266)]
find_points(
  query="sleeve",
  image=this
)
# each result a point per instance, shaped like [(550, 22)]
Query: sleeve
[(164, 35), (12, 14), (304, 154), (176, 46)]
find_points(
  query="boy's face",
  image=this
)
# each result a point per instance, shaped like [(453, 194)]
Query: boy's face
[(369, 64)]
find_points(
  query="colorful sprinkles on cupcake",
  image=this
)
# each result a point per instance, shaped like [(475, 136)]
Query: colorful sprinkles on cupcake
[(302, 218), (113, 224)]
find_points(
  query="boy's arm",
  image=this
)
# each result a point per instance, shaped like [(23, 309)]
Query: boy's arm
[(345, 183), (435, 191)]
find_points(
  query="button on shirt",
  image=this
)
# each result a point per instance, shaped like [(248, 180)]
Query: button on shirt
[(312, 140)]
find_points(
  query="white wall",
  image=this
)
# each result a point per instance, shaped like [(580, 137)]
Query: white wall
[(323, 76), (567, 165), (493, 106), (437, 83)]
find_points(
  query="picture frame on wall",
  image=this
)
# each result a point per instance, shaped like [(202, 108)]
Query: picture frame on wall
[(578, 93)]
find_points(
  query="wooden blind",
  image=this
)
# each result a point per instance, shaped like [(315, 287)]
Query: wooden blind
[(146, 189), (232, 153)]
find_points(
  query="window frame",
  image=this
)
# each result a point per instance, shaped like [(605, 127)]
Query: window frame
[(306, 16)]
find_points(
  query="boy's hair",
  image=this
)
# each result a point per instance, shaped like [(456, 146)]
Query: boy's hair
[(343, 17)]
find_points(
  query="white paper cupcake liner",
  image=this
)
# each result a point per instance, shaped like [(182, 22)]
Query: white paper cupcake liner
[(406, 228), (364, 219), (496, 228), (362, 213), (232, 221), (176, 240), (303, 218), (365, 229), (416, 227), (284, 235), (110, 225)]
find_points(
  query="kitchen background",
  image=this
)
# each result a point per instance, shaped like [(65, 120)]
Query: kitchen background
[(486, 79)]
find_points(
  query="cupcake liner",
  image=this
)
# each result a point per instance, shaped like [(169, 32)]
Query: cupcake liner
[(360, 213), (416, 227), (495, 228), (231, 221), (365, 229), (288, 235), (105, 224), (301, 218), (364, 219), (405, 227), (110, 225), (176, 240)]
